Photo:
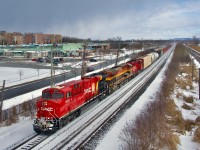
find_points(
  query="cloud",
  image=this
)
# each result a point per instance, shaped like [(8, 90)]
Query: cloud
[(102, 19)]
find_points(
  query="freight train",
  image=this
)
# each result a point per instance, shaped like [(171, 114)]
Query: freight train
[(61, 104)]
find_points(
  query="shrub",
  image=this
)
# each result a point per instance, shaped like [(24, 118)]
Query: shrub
[(196, 137), (187, 107), (176, 118), (183, 84), (188, 99), (25, 109), (189, 124), (171, 141), (197, 119), (14, 116), (8, 122), (178, 95)]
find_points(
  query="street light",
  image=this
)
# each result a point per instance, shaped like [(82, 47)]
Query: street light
[(51, 69), (2, 90)]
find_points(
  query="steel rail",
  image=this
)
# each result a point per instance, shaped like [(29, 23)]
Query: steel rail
[(30, 142), (105, 113), (140, 82), (193, 52)]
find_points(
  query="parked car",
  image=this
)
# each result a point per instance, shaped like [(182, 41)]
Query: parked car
[(89, 69), (34, 59), (93, 60), (40, 60)]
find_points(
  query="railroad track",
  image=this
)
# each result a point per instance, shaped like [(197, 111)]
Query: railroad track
[(193, 52), (32, 142), (79, 131), (137, 85), (75, 134), (28, 143)]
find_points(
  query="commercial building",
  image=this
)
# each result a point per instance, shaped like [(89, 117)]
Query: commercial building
[(30, 51)]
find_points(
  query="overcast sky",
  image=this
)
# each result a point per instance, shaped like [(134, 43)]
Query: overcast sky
[(103, 19)]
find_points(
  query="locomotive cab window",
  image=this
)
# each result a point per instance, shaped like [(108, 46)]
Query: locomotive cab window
[(46, 95), (57, 95), (76, 86), (68, 94)]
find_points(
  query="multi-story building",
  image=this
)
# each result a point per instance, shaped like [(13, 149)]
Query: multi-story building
[(56, 38), (3, 40), (16, 38), (39, 38), (8, 39), (29, 38)]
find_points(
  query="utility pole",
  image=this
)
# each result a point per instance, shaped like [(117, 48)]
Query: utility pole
[(51, 69), (83, 63), (119, 45), (199, 83), (192, 68), (1, 107)]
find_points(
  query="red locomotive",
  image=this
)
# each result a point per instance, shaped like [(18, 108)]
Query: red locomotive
[(62, 103)]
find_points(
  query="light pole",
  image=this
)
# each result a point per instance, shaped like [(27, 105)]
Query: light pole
[(199, 83), (2, 90), (51, 69)]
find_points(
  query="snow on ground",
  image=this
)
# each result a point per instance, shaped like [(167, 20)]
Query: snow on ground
[(25, 97), (131, 114), (148, 95), (186, 140), (12, 75), (16, 132), (21, 130)]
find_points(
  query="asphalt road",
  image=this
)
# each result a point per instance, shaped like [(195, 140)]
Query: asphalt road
[(11, 92)]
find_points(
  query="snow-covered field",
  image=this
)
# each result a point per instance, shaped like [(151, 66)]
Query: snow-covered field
[(12, 75), (186, 142), (23, 128)]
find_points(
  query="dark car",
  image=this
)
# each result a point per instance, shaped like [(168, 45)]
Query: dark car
[(89, 69), (40, 60), (93, 60)]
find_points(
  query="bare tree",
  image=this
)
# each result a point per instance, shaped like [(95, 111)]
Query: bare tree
[(25, 108), (14, 115), (21, 73), (118, 40)]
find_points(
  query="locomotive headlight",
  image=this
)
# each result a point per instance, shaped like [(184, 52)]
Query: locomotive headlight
[(49, 124)]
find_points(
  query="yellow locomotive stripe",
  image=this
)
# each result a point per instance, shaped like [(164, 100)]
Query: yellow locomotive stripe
[(97, 88), (110, 78)]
